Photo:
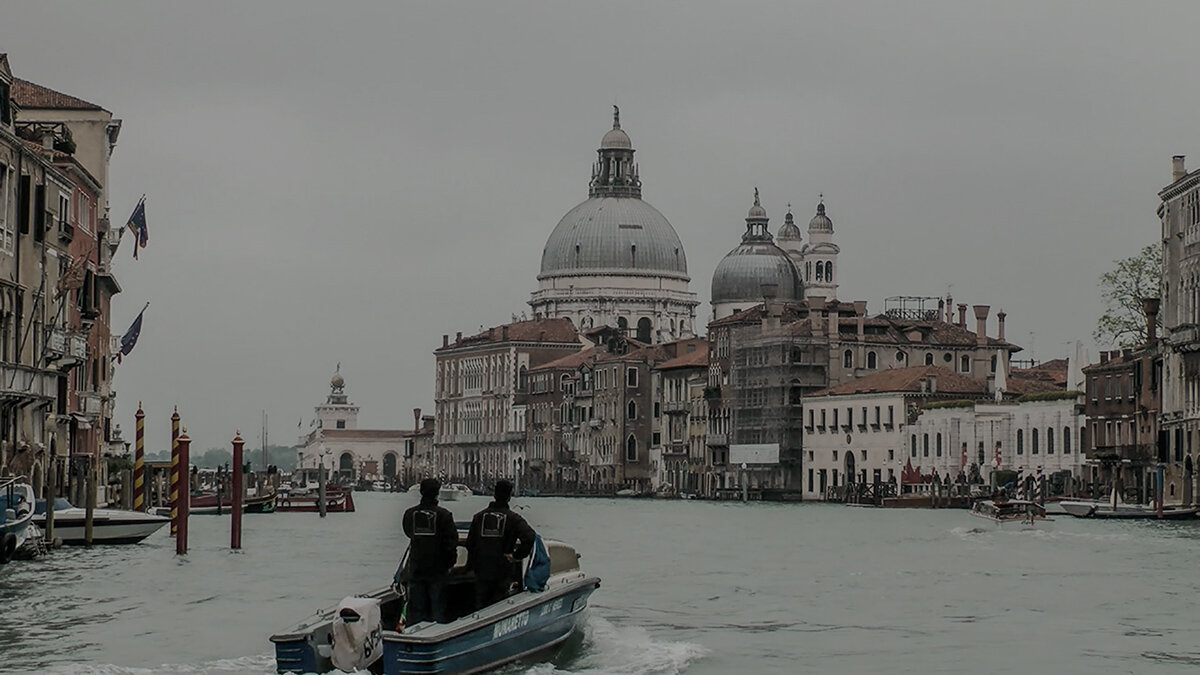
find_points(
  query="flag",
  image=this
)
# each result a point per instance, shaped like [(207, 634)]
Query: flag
[(137, 225), (72, 278), (130, 338)]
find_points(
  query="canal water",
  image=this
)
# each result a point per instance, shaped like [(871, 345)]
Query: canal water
[(687, 587)]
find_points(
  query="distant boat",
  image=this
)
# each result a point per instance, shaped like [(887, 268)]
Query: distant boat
[(454, 492), (109, 526), (207, 504), (1115, 508), (337, 500), (16, 515), (1014, 514)]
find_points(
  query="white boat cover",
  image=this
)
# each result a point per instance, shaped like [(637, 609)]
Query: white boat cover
[(357, 634)]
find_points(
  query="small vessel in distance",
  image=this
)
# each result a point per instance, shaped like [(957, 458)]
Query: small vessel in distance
[(109, 526), (454, 492), (1012, 514), (1116, 508)]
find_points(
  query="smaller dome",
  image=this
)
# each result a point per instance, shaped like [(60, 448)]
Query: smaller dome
[(821, 221), (789, 229), (337, 381), (616, 139), (757, 212)]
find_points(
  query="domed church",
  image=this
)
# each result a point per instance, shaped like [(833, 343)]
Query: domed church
[(614, 259), (816, 259), (739, 279)]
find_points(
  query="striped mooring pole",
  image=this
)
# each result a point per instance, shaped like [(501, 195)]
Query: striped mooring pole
[(175, 482), (235, 527), (139, 454)]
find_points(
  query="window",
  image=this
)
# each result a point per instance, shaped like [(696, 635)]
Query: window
[(982, 456), (965, 364), (913, 440), (891, 454), (656, 438), (835, 418), (835, 455), (631, 377), (341, 424), (6, 228), (891, 416), (939, 445), (656, 409), (929, 358), (1066, 440), (631, 448), (848, 359), (85, 214), (1033, 442), (1049, 441), (1020, 441), (925, 443), (993, 363), (643, 330), (871, 360), (632, 410)]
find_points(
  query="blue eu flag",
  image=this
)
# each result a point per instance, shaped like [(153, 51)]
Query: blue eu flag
[(137, 225)]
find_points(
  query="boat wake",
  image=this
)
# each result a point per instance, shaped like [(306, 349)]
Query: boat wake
[(262, 663), (609, 649)]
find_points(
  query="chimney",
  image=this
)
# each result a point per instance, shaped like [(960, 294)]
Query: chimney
[(427, 422), (1177, 170), (416, 419), (981, 312), (504, 332), (1104, 357), (1000, 325), (962, 315), (445, 340), (1150, 308), (458, 337), (541, 336)]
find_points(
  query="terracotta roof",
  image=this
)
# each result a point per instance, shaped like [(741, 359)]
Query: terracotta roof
[(533, 330), (1053, 373), (636, 352), (30, 95), (791, 312), (698, 358), (908, 380), (571, 361)]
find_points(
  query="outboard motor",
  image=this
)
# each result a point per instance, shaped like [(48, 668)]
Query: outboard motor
[(357, 634)]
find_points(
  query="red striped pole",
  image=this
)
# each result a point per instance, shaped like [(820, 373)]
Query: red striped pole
[(235, 530), (139, 455), (175, 482), (181, 538)]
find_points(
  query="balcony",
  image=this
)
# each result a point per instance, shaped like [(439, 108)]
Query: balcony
[(1140, 453), (718, 440), (675, 448), (1185, 337), (65, 348), (66, 231), (22, 383), (89, 402), (675, 407)]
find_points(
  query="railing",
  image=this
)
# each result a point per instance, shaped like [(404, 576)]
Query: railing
[(1135, 452), (718, 439), (1183, 335), (25, 382), (675, 448), (676, 406), (89, 403)]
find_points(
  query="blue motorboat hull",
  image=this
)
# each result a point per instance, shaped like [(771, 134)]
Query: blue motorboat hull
[(524, 629)]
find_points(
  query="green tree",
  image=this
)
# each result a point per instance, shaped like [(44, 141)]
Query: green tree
[(1123, 323)]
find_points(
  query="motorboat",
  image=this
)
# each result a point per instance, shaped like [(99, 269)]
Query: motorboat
[(1116, 508), (1012, 514), (367, 632), (209, 503), (453, 492), (337, 500), (109, 526), (17, 503)]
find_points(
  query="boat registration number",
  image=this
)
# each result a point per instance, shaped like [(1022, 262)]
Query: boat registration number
[(551, 608), (512, 623)]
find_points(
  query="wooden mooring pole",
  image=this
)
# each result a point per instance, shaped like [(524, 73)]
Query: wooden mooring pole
[(178, 477), (139, 458), (235, 529), (181, 534)]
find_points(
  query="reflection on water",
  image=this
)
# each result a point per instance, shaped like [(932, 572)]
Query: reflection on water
[(695, 587)]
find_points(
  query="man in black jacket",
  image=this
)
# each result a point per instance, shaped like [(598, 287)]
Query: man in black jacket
[(432, 550), (498, 540)]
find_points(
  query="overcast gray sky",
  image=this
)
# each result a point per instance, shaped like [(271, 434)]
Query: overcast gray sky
[(348, 181)]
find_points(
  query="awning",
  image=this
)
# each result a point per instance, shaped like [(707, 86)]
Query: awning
[(81, 422)]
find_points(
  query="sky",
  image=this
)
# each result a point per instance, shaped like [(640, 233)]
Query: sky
[(344, 183)]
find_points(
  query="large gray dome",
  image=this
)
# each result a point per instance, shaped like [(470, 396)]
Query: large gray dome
[(740, 275), (607, 234)]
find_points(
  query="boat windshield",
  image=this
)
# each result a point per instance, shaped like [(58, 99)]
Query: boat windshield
[(60, 504)]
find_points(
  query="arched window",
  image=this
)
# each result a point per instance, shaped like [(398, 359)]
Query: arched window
[(1050, 441), (346, 462), (389, 464), (925, 442), (929, 358), (965, 364), (1020, 441), (1066, 440), (631, 448), (522, 379), (632, 410), (622, 323), (808, 271), (914, 445), (847, 359), (829, 272), (939, 445), (993, 363), (796, 394), (820, 271), (643, 330), (871, 361), (1033, 442)]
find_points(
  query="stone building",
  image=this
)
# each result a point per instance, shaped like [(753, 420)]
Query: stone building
[(614, 260), (1179, 213), (755, 266), (815, 260), (348, 452), (481, 384), (679, 437), (55, 400)]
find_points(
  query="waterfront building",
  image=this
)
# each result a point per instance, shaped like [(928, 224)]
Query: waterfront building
[(680, 432), (1179, 214), (348, 452), (615, 260), (46, 322), (1122, 404), (481, 382)]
